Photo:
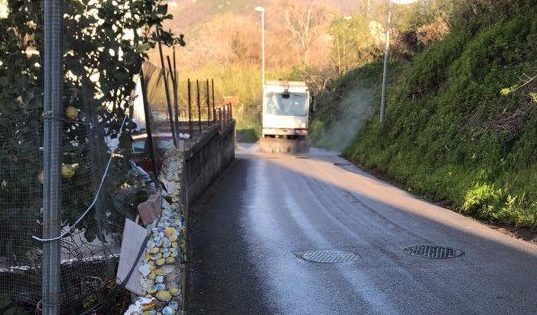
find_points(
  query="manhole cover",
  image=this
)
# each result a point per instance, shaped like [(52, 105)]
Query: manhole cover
[(433, 252), (327, 256)]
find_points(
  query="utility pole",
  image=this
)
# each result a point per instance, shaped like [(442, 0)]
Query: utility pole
[(386, 57), (52, 144), (262, 11)]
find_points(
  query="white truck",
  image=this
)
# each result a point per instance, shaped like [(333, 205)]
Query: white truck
[(286, 108)]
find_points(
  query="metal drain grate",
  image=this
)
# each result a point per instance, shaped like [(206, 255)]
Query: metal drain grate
[(433, 252), (327, 256), (342, 164), (303, 157)]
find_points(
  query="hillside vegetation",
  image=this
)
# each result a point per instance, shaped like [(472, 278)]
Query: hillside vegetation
[(224, 42), (461, 121), (314, 41)]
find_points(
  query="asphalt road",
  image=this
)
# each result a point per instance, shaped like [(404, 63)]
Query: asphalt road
[(264, 210)]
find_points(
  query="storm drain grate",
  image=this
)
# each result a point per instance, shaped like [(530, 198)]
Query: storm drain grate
[(433, 252), (342, 164), (327, 256), (303, 157)]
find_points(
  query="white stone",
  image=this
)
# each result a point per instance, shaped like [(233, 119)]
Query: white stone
[(145, 270)]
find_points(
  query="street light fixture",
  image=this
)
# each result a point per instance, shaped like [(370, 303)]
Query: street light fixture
[(262, 11), (386, 56)]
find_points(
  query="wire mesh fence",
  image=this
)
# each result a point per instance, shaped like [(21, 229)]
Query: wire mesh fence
[(100, 188), (87, 54), (20, 205), (98, 191), (106, 162)]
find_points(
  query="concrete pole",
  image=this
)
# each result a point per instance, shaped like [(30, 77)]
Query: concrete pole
[(386, 58), (262, 11), (52, 144), (263, 48)]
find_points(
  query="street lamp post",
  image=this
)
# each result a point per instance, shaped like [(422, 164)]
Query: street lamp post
[(386, 56), (262, 11)]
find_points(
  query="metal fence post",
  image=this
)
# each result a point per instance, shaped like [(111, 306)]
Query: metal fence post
[(208, 104), (214, 111), (190, 108), (176, 93), (199, 104), (167, 91), (215, 119), (148, 125), (173, 76), (52, 144)]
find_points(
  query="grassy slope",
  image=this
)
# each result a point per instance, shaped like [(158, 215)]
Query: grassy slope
[(439, 140)]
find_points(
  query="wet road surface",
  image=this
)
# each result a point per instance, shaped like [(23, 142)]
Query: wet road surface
[(248, 229)]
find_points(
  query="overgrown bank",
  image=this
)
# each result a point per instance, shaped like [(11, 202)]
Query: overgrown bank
[(461, 126)]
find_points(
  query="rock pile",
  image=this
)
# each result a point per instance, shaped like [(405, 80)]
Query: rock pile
[(162, 271)]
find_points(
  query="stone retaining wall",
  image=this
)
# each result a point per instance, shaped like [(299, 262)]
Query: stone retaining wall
[(206, 160), (186, 174)]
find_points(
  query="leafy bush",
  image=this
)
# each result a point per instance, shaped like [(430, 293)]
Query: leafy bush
[(101, 60)]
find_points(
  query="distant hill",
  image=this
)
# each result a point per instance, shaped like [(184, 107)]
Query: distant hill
[(189, 13), (226, 31)]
